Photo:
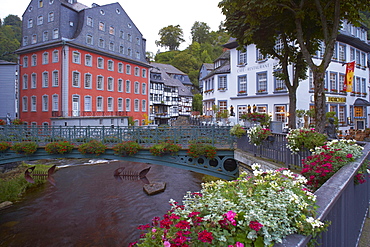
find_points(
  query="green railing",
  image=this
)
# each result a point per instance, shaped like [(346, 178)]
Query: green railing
[(218, 136)]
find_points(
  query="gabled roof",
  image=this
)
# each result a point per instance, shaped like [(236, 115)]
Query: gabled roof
[(208, 66), (168, 68), (225, 66), (170, 81)]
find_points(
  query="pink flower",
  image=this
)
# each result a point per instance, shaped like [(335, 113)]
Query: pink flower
[(154, 230), (238, 244), (230, 216), (166, 244), (349, 156), (255, 225)]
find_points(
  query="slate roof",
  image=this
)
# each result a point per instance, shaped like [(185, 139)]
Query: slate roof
[(224, 68), (168, 80)]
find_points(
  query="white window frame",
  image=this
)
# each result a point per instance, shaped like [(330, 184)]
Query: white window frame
[(45, 103), (45, 79)]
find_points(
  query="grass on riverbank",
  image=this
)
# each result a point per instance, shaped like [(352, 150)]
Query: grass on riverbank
[(13, 184)]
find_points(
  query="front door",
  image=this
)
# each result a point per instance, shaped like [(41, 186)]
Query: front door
[(75, 106)]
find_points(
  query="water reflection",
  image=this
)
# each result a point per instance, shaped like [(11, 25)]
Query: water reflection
[(89, 207)]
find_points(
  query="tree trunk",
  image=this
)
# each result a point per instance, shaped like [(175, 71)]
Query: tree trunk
[(319, 99), (292, 123)]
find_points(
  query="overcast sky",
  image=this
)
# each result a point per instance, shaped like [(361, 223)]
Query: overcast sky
[(150, 15)]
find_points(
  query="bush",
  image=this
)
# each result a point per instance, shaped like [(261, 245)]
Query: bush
[(164, 148), (128, 148), (61, 147), (200, 149), (262, 118), (258, 134), (304, 139), (4, 146), (237, 130), (325, 161), (92, 147), (26, 148), (250, 211)]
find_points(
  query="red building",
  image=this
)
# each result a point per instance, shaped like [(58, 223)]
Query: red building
[(81, 65)]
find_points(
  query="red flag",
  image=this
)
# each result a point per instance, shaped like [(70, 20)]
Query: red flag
[(348, 81)]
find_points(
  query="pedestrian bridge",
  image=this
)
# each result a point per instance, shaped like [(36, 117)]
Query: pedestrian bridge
[(223, 165)]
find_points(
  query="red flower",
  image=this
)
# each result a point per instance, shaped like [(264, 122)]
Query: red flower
[(166, 223), (349, 156), (255, 225), (143, 227), (183, 224), (205, 236)]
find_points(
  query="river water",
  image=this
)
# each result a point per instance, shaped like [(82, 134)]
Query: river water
[(89, 207)]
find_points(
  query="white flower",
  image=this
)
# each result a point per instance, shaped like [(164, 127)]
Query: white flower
[(256, 166)]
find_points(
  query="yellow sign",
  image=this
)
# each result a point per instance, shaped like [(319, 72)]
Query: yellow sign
[(336, 99)]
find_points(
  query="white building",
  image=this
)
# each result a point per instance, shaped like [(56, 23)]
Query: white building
[(247, 80), (170, 95)]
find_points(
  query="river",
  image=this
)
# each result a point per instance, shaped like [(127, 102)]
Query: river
[(89, 207)]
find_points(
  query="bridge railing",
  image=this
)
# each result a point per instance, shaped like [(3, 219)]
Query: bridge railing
[(344, 204), (274, 148), (218, 136)]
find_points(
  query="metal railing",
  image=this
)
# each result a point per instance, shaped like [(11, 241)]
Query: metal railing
[(218, 136), (344, 204), (275, 149)]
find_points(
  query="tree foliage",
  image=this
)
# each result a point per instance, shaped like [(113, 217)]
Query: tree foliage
[(200, 32), (191, 59), (306, 22), (10, 37), (198, 103), (170, 37)]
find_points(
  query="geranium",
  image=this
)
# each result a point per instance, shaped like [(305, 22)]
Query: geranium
[(17, 121), (62, 147), (200, 149), (26, 148), (163, 148), (257, 134), (92, 147), (4, 146), (326, 160), (250, 211), (304, 139), (127, 148), (237, 130), (263, 118)]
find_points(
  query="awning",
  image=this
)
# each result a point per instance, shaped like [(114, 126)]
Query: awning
[(361, 102)]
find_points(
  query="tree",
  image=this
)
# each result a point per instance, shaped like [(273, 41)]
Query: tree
[(200, 32), (314, 21), (10, 37), (197, 103), (171, 37), (265, 31)]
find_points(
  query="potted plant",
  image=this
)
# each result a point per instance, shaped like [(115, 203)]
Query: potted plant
[(257, 134), (92, 147), (62, 147), (260, 117), (26, 148), (326, 160), (128, 148), (163, 148), (2, 122), (196, 150), (17, 121), (304, 139), (257, 210), (237, 130), (4, 146)]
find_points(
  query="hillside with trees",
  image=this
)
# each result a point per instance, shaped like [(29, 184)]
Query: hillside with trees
[(10, 37), (206, 46)]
